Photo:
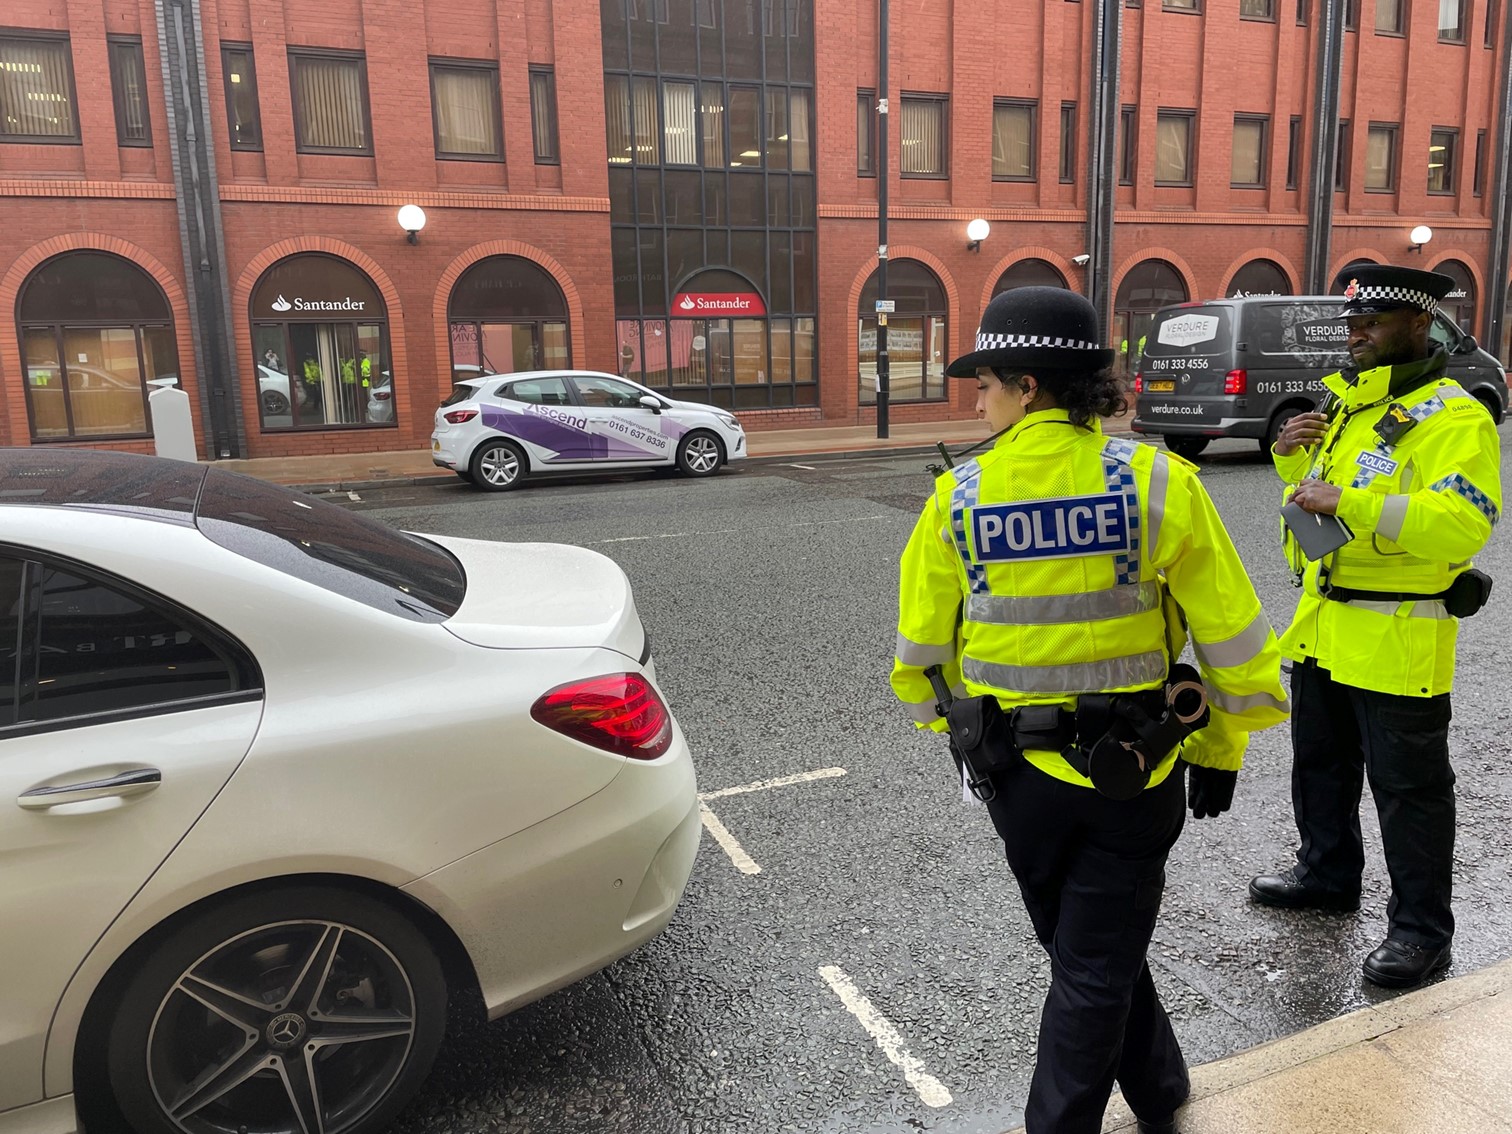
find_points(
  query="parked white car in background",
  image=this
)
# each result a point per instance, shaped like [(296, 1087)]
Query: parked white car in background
[(279, 780), (497, 429)]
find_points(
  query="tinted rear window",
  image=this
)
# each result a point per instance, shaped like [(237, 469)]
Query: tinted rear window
[(1309, 335), (1190, 332), (101, 480), (459, 394), (331, 547)]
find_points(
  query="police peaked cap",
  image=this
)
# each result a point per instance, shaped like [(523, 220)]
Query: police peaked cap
[(1029, 328), (1373, 288)]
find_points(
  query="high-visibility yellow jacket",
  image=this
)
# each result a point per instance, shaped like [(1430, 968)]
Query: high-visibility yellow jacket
[(1420, 507), (1060, 563)]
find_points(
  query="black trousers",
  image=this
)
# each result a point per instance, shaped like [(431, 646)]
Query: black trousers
[(1092, 872), (1341, 735)]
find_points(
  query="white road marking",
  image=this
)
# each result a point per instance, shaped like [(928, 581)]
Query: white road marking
[(810, 468), (743, 862), (354, 496), (780, 781), (929, 1089)]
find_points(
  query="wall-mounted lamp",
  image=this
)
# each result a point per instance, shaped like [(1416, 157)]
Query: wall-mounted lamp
[(976, 232), (1419, 236), (412, 220)]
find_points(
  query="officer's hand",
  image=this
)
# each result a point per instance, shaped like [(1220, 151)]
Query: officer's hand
[(1317, 496), (1210, 791), (1303, 430)]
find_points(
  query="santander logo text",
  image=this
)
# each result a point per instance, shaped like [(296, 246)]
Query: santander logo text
[(719, 303)]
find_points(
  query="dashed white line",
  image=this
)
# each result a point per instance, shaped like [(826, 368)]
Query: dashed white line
[(743, 862), (928, 1088), (810, 468), (780, 781)]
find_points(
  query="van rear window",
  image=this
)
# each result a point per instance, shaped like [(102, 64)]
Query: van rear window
[(1190, 332)]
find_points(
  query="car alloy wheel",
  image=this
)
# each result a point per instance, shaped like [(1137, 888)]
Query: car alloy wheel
[(700, 454), (497, 466), (274, 403)]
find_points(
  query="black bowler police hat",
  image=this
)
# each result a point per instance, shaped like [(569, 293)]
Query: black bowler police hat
[(1373, 288), (1047, 328)]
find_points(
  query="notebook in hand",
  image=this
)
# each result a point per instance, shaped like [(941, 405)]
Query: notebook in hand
[(1318, 535)]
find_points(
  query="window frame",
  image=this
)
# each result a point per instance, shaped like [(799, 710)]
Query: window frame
[(1302, 13), (251, 74), (943, 102), (1193, 8), (1263, 165), (1489, 35), (1398, 32), (1294, 152), (1461, 39), (1351, 15), (1068, 149), (1478, 182), (1394, 129), (1190, 117), (1032, 106), (489, 66), (296, 56), (1451, 176), (114, 44), (77, 137), (553, 154), (1128, 154), (866, 96), (1342, 163), (1270, 16)]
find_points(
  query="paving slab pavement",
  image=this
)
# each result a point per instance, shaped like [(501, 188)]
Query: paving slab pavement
[(1436, 1059)]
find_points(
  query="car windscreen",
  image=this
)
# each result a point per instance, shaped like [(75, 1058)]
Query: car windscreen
[(331, 547), (1189, 339), (1308, 335)]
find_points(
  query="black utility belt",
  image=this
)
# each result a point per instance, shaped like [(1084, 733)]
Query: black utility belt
[(1116, 740), (1462, 598)]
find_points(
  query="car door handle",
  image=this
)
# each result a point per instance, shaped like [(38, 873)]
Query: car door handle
[(134, 782)]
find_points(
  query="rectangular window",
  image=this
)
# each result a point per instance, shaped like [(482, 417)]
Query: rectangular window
[(923, 136), (1013, 141), (1451, 21), (1442, 159), (866, 134), (1173, 147), (1181, 5), (1478, 186), (36, 90), (800, 146), (128, 88), (1388, 17), (711, 112), (1128, 147), (1302, 13), (1380, 158), (244, 123), (777, 136), (1490, 33), (1247, 170), (1341, 159), (465, 105), (543, 116), (1294, 151), (1257, 9), (679, 123), (745, 127), (1351, 14), (1068, 143), (331, 103)]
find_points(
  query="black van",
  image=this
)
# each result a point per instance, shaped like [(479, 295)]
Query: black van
[(1242, 367)]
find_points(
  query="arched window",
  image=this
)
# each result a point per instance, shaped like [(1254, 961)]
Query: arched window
[(1260, 277), (95, 328), (320, 346), (1028, 273), (1147, 288), (916, 334), (507, 314), (1459, 304)]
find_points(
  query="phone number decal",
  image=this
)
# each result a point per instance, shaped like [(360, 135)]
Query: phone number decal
[(1289, 386)]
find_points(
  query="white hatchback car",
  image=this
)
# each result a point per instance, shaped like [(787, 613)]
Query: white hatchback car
[(284, 782), (497, 429)]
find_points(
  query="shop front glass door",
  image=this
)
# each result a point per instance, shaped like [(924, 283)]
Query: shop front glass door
[(333, 367)]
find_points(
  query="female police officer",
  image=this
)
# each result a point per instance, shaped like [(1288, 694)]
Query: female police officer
[(1052, 571)]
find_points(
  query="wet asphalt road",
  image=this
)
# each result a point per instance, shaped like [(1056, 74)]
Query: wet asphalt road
[(770, 593)]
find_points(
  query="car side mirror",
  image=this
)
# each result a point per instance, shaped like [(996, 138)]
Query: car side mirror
[(1466, 345), (652, 404)]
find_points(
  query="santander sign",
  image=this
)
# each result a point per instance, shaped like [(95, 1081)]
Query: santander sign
[(696, 304)]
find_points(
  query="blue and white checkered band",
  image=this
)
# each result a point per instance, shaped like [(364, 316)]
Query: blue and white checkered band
[(985, 341), (1118, 470), (1372, 294), (964, 496), (1374, 462), (1461, 486)]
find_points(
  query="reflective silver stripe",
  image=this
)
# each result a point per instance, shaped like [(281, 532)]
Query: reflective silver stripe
[(1237, 704), (1243, 647), (1082, 677), (923, 712), (1454, 392), (1393, 516), (1421, 608), (919, 654), (1049, 610), (1160, 473)]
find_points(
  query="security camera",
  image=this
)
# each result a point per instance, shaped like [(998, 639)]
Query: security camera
[(1081, 261)]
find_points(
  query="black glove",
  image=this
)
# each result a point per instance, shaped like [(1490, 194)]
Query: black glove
[(1210, 791)]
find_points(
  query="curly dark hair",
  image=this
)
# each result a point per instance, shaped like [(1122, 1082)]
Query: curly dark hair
[(1083, 394)]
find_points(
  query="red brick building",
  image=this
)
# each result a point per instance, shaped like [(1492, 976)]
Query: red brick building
[(683, 191)]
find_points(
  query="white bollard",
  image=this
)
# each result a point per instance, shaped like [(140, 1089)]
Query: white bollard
[(172, 424)]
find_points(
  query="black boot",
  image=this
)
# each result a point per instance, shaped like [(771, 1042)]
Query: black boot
[(1288, 892), (1166, 1127), (1401, 964)]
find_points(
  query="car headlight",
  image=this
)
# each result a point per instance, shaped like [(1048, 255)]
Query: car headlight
[(728, 422)]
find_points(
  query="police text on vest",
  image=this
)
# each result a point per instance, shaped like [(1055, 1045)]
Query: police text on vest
[(1060, 528)]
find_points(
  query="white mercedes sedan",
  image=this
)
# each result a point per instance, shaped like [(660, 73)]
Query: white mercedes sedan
[(279, 782)]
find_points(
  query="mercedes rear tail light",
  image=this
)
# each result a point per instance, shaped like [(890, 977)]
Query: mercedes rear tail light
[(619, 713), (1236, 382), (457, 417)]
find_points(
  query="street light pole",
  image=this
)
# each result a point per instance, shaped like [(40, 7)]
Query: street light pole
[(884, 368)]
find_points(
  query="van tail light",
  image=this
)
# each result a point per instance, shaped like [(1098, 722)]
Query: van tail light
[(458, 416), (1139, 383), (620, 713), (1236, 382)]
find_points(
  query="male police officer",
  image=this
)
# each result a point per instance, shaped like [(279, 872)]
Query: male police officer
[(1047, 574), (1411, 463)]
